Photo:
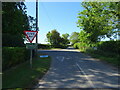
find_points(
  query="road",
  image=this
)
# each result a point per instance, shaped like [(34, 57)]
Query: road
[(73, 69)]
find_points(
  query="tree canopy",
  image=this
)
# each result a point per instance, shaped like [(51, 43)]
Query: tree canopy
[(74, 37), (14, 21), (54, 38), (98, 19)]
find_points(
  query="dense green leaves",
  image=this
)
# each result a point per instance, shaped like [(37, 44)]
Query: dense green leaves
[(64, 39), (15, 21), (12, 40), (56, 40), (98, 19), (84, 41), (74, 37), (13, 56), (109, 46), (53, 37), (14, 18)]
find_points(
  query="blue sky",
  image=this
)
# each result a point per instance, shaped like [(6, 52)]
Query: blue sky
[(61, 16)]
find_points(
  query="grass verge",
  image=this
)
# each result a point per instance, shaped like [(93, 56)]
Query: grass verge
[(108, 57), (22, 76)]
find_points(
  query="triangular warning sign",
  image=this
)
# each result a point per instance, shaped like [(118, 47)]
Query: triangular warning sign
[(30, 35)]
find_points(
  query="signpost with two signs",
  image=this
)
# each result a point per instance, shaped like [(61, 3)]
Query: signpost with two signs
[(30, 36)]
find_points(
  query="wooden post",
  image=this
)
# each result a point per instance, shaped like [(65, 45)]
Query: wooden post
[(31, 58)]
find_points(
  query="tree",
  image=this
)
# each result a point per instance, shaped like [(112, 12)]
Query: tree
[(65, 36), (83, 37), (74, 38), (14, 18), (32, 23), (115, 10), (84, 41), (54, 37), (15, 21), (65, 40), (56, 40), (96, 20)]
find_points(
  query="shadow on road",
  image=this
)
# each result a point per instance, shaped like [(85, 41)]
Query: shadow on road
[(66, 74)]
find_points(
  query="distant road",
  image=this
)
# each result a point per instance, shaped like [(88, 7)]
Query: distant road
[(73, 69)]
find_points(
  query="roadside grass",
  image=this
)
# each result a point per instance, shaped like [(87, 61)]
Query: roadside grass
[(22, 76), (109, 57)]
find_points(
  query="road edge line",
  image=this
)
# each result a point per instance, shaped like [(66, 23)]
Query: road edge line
[(85, 75)]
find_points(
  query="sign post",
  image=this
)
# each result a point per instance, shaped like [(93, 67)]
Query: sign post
[(30, 36), (31, 58), (31, 45)]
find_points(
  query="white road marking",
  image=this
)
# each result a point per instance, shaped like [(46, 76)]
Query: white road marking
[(67, 58), (62, 59), (86, 76), (57, 57)]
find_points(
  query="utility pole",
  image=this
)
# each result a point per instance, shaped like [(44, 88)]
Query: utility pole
[(36, 23)]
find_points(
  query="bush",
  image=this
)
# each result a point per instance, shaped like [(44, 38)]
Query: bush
[(44, 46), (9, 40), (47, 46), (109, 57), (76, 45), (81, 46), (62, 46), (11, 56), (109, 46)]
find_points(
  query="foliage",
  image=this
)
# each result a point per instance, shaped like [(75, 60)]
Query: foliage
[(12, 40), (97, 19), (44, 46), (56, 40), (84, 41), (109, 46), (15, 20), (13, 56), (53, 37), (65, 36), (64, 40), (32, 23), (84, 37), (74, 37), (76, 45), (14, 17), (114, 8)]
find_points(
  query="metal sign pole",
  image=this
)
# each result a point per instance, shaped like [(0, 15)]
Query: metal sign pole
[(31, 58), (36, 23)]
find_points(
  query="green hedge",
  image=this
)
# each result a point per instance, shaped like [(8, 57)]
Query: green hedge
[(47, 46), (62, 46), (82, 46), (44, 46), (109, 46), (11, 56), (9, 40)]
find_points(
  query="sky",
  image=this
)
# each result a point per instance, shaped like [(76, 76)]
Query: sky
[(61, 16)]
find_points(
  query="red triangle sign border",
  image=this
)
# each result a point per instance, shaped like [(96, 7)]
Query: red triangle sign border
[(28, 36)]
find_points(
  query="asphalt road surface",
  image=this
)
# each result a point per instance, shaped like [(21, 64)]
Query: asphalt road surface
[(73, 69)]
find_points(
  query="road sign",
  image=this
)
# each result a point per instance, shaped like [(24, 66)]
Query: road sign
[(31, 45), (30, 35)]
